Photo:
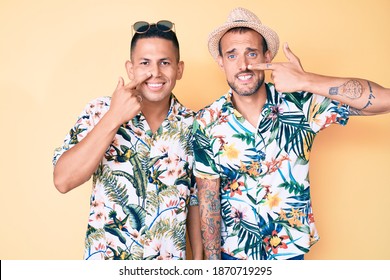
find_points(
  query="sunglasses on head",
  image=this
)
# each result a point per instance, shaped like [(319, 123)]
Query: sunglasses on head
[(162, 25)]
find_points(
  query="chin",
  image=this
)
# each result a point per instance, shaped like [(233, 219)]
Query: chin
[(156, 97)]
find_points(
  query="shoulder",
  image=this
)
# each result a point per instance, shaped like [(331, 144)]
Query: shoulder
[(99, 102), (97, 107), (211, 111), (210, 115), (181, 112), (297, 96)]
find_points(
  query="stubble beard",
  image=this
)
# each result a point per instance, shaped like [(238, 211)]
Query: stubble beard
[(247, 92)]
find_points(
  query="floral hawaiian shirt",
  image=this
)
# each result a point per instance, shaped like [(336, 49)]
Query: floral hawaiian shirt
[(264, 172), (142, 187)]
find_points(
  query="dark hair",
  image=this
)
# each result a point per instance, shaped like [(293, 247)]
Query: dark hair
[(153, 32), (242, 30)]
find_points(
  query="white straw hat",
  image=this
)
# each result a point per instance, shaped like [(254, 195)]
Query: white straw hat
[(240, 17)]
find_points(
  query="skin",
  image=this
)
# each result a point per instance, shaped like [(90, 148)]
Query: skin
[(153, 70), (238, 51), (210, 217), (155, 56)]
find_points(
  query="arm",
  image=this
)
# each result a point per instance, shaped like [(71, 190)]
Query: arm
[(78, 164), (210, 217), (365, 97), (193, 225)]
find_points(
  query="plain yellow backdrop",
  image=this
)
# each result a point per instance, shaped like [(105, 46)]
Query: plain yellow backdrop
[(55, 56)]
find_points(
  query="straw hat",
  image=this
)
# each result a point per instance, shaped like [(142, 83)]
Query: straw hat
[(240, 17)]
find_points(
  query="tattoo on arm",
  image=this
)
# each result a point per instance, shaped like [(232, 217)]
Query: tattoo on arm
[(210, 217), (358, 112), (352, 89)]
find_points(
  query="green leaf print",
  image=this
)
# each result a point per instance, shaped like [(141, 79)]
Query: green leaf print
[(115, 191), (293, 134), (139, 175), (122, 132), (74, 133), (251, 233), (202, 150), (116, 226), (136, 215), (247, 137)]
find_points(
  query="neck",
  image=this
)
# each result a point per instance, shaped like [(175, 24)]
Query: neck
[(155, 113)]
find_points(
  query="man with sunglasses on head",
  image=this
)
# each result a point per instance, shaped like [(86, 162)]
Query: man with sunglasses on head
[(252, 145), (136, 145)]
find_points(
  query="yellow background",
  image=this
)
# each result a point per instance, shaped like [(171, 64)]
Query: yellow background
[(55, 56)]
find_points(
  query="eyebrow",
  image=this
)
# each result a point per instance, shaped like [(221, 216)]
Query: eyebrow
[(247, 49), (251, 49), (231, 51), (160, 59)]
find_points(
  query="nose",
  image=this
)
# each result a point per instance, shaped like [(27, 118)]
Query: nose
[(242, 63), (155, 70)]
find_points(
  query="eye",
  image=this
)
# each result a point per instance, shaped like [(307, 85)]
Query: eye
[(144, 62), (231, 56), (252, 54), (165, 63)]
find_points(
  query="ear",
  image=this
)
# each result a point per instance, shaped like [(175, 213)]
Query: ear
[(129, 69), (180, 70), (220, 61), (268, 56)]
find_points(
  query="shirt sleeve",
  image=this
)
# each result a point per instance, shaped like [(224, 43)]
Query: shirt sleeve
[(204, 163), (321, 112), (86, 121)]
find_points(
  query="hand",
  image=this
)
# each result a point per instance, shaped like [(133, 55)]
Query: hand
[(126, 101), (287, 76)]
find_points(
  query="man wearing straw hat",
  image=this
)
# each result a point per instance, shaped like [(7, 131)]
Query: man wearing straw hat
[(252, 145)]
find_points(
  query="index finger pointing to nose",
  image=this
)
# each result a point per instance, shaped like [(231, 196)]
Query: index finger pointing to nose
[(261, 66), (139, 80)]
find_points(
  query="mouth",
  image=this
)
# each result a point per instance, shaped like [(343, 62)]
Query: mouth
[(154, 86), (244, 76)]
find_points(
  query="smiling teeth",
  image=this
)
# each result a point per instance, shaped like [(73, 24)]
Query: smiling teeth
[(155, 85), (244, 78)]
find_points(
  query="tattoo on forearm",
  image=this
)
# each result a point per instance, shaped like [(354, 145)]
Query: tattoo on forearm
[(352, 89), (210, 217), (371, 96)]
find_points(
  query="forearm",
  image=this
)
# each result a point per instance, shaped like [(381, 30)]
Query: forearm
[(78, 164), (365, 97), (210, 217), (193, 226)]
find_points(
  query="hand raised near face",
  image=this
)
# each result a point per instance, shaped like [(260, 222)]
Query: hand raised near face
[(287, 76), (126, 101)]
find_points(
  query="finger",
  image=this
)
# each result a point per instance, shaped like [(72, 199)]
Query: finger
[(138, 80), (289, 54), (121, 83), (262, 66)]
